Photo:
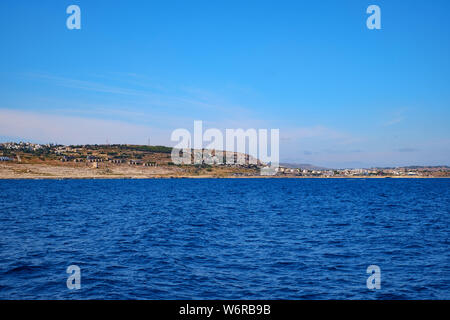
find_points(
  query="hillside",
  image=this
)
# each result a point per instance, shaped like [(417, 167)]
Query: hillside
[(27, 160)]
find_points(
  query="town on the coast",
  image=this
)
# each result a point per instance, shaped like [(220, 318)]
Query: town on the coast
[(32, 160)]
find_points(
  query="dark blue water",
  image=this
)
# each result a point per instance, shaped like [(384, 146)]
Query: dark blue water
[(225, 238)]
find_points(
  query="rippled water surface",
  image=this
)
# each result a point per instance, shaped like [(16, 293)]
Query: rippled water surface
[(225, 238)]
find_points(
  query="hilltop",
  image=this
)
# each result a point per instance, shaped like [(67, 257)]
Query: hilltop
[(29, 160)]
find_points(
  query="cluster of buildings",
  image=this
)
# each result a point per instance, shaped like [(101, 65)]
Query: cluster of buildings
[(389, 172), (97, 160), (213, 157), (66, 154), (24, 146), (142, 163)]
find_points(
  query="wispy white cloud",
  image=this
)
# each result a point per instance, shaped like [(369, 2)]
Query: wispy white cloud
[(318, 133), (41, 127), (395, 118), (406, 150), (82, 84), (149, 94), (393, 121)]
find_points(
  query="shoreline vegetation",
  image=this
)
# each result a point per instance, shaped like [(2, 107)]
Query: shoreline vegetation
[(51, 161)]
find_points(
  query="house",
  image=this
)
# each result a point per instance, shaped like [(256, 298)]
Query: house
[(93, 159), (149, 164), (116, 161), (135, 162)]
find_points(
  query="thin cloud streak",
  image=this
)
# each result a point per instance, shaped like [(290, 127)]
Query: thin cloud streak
[(38, 127), (184, 99)]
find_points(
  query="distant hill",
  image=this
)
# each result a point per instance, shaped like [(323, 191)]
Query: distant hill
[(304, 166)]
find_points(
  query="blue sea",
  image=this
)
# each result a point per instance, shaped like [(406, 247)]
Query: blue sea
[(225, 238)]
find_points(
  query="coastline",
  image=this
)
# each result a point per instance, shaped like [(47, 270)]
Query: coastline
[(28, 171), (204, 177)]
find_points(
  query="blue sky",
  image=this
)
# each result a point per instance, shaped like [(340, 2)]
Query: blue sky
[(342, 95)]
